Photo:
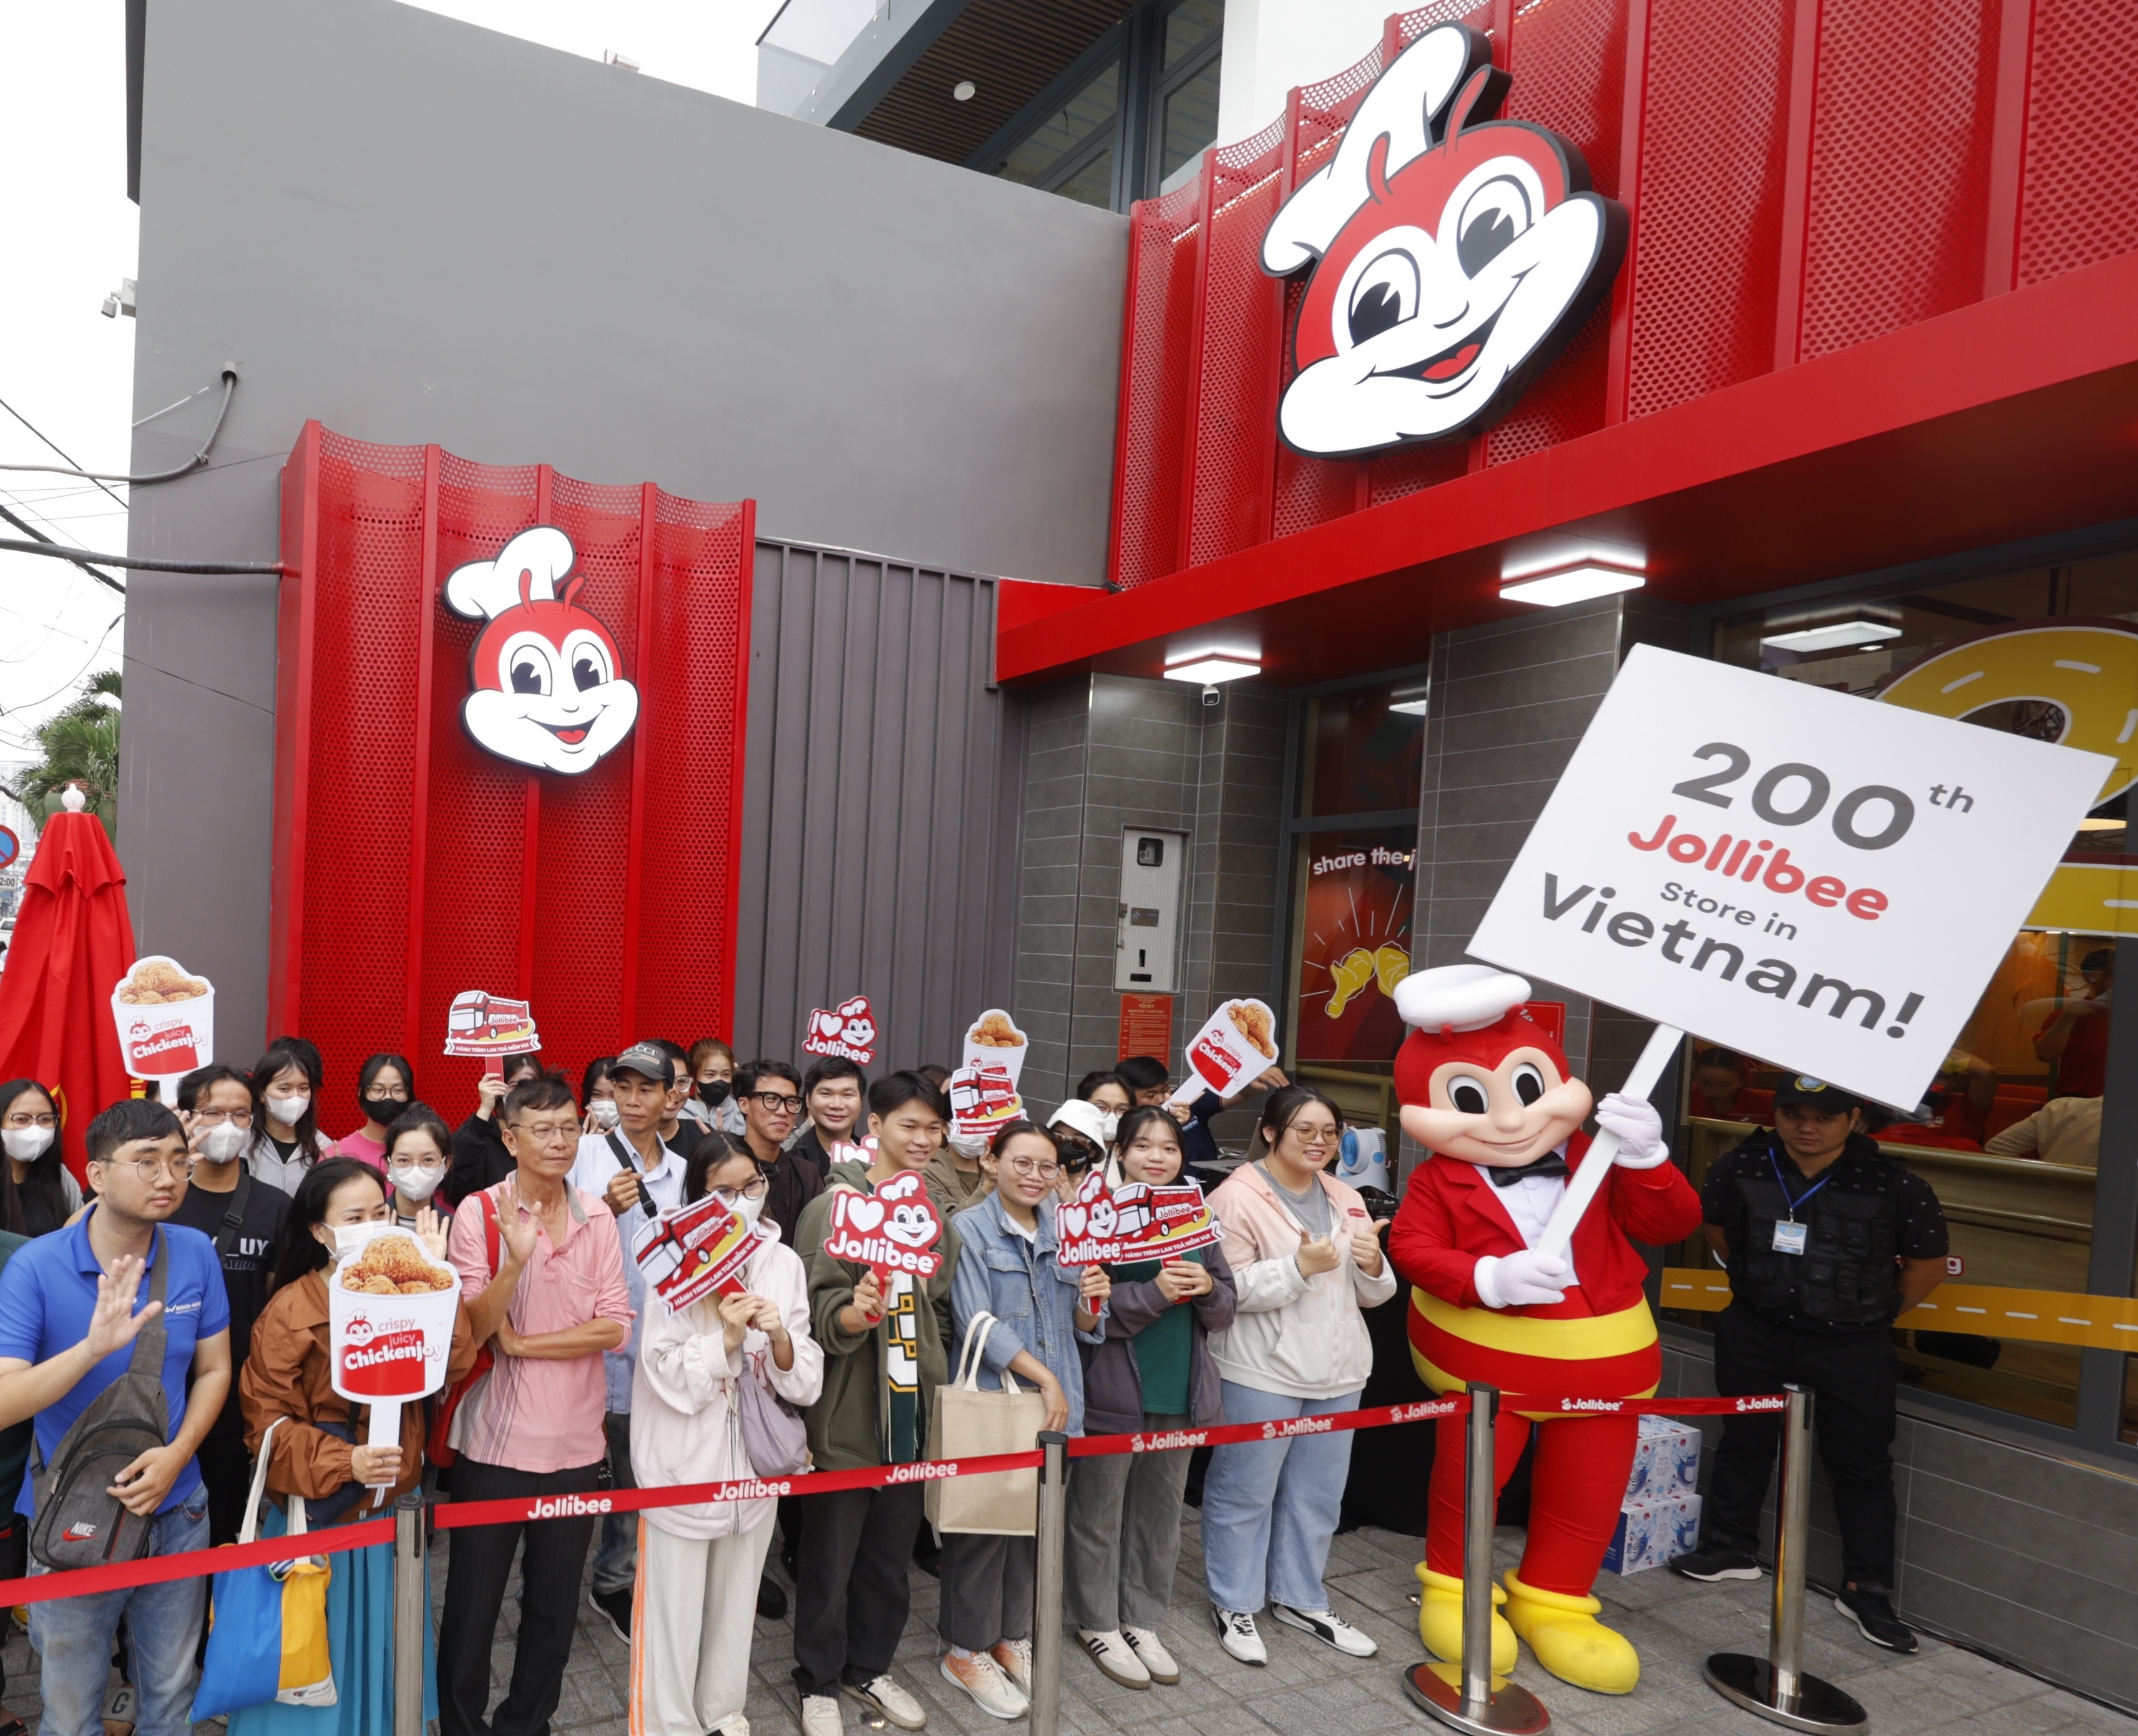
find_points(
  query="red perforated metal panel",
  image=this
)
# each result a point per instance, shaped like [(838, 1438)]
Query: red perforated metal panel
[(1154, 374), (1900, 169), (2082, 161), (400, 883), (1707, 233)]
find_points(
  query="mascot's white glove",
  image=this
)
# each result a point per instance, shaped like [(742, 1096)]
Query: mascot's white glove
[(1639, 1128), (1521, 1281)]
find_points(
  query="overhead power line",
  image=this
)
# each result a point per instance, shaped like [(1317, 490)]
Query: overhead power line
[(50, 546), (79, 556), (71, 468)]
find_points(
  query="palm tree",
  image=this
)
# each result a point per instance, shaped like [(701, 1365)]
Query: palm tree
[(80, 745)]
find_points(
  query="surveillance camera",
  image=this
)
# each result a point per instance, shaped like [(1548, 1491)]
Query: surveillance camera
[(1210, 695)]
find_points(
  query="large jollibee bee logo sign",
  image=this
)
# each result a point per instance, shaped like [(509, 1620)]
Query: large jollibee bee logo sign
[(547, 677), (1454, 255)]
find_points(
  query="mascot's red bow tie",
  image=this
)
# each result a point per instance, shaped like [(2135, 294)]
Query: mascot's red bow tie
[(1550, 1163)]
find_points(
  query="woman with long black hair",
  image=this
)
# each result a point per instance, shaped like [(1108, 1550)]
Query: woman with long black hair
[(286, 1141), (42, 1193)]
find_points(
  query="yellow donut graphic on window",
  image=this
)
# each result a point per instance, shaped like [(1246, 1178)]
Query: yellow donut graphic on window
[(2072, 681)]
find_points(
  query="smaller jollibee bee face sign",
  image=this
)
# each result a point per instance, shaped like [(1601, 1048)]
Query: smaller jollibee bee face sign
[(893, 1230), (847, 1030), (165, 1017), (1234, 1047)]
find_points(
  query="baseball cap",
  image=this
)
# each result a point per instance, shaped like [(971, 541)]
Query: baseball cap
[(1816, 1094), (649, 1061)]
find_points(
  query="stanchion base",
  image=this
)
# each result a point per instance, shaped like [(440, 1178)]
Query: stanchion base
[(1511, 1711), (1817, 1706)]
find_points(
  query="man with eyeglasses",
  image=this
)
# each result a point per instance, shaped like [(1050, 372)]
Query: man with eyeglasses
[(633, 1163), (771, 1093), (542, 1266), (71, 1305), (242, 1216)]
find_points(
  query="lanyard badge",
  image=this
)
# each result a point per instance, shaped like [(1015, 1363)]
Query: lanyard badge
[(1791, 1237)]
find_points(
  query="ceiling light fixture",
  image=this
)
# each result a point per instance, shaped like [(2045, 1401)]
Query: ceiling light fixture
[(1409, 698), (964, 90), (1208, 671), (1835, 636), (1577, 584)]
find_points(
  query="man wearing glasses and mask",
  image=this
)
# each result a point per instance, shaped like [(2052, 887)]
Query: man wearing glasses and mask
[(771, 1093)]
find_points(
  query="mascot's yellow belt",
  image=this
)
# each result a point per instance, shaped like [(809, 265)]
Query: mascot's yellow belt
[(1566, 1353)]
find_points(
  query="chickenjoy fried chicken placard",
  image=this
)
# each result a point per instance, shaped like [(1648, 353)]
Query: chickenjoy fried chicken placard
[(1234, 1047), (390, 1315)]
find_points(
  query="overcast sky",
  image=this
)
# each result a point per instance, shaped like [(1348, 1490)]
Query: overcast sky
[(71, 237)]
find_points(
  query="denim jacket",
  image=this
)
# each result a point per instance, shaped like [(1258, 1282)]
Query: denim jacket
[(1032, 1298)]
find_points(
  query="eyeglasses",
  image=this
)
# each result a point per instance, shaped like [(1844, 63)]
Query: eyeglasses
[(27, 1120), (1046, 1168), (548, 1133), (774, 1101), (180, 1169), (215, 1118), (756, 1190), (1312, 1138)]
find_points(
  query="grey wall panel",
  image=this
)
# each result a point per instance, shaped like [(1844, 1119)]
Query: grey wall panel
[(880, 833), (416, 230)]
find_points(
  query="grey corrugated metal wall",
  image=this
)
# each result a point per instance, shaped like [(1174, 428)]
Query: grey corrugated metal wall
[(882, 806)]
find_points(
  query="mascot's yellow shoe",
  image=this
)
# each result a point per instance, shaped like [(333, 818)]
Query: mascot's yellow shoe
[(1569, 1641), (1440, 1621)]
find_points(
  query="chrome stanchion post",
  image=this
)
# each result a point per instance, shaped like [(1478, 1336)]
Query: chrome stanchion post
[(1775, 1687), (1048, 1566), (1470, 1698), (409, 1567)]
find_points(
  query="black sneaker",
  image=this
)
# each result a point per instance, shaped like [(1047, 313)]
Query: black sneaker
[(1871, 1608), (1716, 1563), (771, 1599), (617, 1606)]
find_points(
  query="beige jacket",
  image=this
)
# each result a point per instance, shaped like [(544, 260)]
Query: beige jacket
[(1302, 1337)]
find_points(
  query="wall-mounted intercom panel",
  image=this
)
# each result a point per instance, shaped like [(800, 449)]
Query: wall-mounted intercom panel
[(1154, 879)]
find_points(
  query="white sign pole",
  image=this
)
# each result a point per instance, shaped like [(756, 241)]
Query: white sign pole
[(1587, 1182), (384, 1431)]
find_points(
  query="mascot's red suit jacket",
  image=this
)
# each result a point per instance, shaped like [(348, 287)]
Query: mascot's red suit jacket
[(1489, 1091)]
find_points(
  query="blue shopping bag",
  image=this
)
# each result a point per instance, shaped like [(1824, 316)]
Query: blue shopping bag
[(267, 1637)]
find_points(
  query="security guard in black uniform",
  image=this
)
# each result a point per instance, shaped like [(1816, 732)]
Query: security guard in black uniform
[(1827, 1240)]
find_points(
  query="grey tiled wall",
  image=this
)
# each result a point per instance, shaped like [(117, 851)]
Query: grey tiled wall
[(2004, 1545), (1107, 752), (1507, 702)]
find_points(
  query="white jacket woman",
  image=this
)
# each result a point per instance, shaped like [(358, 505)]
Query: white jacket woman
[(692, 1639)]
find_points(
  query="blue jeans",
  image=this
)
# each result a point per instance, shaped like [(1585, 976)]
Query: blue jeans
[(1270, 1507), (616, 1559), (73, 1636)]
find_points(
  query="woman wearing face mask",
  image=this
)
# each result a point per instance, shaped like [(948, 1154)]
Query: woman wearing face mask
[(712, 1084), (286, 1141), (317, 1450), (418, 1156), (699, 1567), (385, 1087), (1112, 1098), (30, 1130), (1154, 1372), (1006, 1268), (597, 1097), (1083, 1131)]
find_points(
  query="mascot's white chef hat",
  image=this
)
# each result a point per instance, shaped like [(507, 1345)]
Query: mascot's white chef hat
[(484, 590), (1459, 997)]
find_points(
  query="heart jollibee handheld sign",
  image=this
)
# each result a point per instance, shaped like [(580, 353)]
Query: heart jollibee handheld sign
[(847, 1030), (892, 1230), (390, 1315)]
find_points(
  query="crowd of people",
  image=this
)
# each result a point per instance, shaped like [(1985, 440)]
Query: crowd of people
[(569, 1376), (209, 1228)]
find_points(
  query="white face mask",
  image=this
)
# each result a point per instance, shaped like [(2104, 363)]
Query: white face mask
[(26, 1143), (747, 1209), (1110, 1124), (222, 1142), (288, 1111), (969, 1145), (350, 1237), (605, 1112), (417, 1182)]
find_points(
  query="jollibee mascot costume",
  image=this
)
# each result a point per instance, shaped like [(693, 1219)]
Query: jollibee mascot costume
[(1489, 1094)]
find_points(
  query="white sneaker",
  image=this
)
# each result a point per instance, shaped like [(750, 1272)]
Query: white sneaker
[(820, 1716), (1116, 1659), (1151, 1653), (893, 1701), (1238, 1635), (980, 1676), (738, 1725), (1328, 1627), (1013, 1658)]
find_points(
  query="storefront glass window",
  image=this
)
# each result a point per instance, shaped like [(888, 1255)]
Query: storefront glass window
[(1361, 755), (1189, 26), (1061, 136), (2009, 1133), (1190, 123)]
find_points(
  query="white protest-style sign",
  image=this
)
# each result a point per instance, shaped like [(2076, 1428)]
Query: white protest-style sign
[(165, 1017), (482, 1024), (390, 1315), (1236, 1046), (993, 1040), (1137, 1221), (1799, 875), (982, 1098)]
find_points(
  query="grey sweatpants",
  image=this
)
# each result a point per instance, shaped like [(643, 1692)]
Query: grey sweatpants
[(987, 1589), (1124, 1538)]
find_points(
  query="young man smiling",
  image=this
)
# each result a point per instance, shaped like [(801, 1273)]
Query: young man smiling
[(771, 1093), (884, 1357), (71, 1305)]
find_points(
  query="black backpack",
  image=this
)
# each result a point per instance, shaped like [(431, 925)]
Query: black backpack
[(80, 1523)]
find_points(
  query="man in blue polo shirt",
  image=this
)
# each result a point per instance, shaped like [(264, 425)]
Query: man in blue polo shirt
[(70, 1306)]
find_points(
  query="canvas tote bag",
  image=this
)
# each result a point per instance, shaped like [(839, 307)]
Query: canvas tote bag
[(972, 1424)]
